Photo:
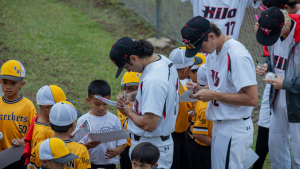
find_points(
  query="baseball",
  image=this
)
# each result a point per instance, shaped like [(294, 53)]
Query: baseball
[(270, 75), (1, 136)]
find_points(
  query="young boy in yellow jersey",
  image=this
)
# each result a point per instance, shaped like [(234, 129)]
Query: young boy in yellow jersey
[(200, 131), (63, 117), (54, 154), (40, 130), (181, 156), (130, 83), (16, 111)]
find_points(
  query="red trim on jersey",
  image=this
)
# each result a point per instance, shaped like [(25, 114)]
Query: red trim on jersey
[(27, 139), (164, 111), (266, 51), (296, 18), (228, 63)]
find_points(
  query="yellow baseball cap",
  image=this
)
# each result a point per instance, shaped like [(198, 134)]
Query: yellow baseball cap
[(202, 57), (131, 78), (56, 150), (12, 70), (49, 95)]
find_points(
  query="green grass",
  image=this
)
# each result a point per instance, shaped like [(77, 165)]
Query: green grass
[(67, 43)]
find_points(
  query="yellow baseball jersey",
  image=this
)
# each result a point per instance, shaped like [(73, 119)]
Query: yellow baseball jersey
[(83, 162), (199, 124), (182, 121), (15, 119), (124, 122), (40, 133)]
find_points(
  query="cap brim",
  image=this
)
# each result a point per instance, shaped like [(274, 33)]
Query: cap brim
[(65, 159), (198, 60), (267, 40), (192, 52), (119, 71), (14, 78), (79, 114)]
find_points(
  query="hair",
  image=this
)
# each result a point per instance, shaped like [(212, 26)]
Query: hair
[(194, 70), (213, 29), (60, 129), (286, 17), (145, 153), (99, 87), (142, 49), (292, 3)]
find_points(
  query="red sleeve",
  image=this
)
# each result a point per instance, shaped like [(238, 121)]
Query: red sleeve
[(27, 139), (266, 51)]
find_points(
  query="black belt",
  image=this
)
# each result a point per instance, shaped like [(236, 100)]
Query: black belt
[(137, 138), (243, 119)]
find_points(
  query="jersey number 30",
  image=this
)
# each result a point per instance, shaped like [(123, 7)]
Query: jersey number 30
[(22, 129)]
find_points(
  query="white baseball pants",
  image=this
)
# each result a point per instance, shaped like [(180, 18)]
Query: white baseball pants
[(231, 141), (165, 148), (283, 136)]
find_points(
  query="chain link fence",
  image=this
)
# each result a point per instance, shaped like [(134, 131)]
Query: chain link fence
[(174, 14)]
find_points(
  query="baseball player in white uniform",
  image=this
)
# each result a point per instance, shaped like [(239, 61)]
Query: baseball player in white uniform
[(231, 90), (155, 109), (280, 33)]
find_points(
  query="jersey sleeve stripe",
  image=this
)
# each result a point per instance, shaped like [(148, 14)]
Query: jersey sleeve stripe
[(204, 130), (229, 63)]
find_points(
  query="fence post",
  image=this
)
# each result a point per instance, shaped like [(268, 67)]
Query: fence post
[(158, 26)]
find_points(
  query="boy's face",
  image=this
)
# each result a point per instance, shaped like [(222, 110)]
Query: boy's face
[(130, 89), (11, 88), (193, 76), (52, 165), (139, 165), (99, 108)]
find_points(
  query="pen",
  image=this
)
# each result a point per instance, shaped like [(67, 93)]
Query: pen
[(125, 92), (194, 86), (260, 64)]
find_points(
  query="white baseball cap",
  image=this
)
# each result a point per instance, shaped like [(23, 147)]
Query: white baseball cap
[(201, 75), (49, 95), (56, 150), (177, 56), (63, 113)]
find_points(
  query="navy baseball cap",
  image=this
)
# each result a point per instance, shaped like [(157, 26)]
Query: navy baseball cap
[(268, 3), (270, 23), (278, 3), (121, 51), (193, 34)]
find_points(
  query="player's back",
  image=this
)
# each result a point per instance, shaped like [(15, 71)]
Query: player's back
[(83, 162), (15, 117), (40, 132)]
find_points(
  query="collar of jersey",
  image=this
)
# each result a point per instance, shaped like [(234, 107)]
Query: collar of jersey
[(67, 141), (12, 102), (36, 122)]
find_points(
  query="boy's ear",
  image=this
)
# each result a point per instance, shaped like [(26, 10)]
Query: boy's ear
[(122, 88), (156, 165), (22, 84), (47, 107), (88, 100)]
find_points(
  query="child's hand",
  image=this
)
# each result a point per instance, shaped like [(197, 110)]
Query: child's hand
[(91, 144), (17, 142), (111, 153)]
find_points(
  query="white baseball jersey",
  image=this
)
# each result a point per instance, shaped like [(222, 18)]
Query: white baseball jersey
[(228, 15), (157, 94), (281, 53), (228, 72)]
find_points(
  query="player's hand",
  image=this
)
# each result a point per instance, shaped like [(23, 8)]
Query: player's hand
[(204, 95), (111, 153), (121, 101), (277, 82), (262, 71), (91, 144), (192, 86), (256, 27), (17, 142), (126, 110)]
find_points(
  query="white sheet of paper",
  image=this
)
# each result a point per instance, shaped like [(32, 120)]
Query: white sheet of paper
[(10, 155), (185, 97), (108, 101), (109, 136), (251, 157)]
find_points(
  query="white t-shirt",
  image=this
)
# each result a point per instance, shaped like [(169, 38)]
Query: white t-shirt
[(281, 53), (265, 111), (228, 72), (157, 94), (228, 15), (112, 123)]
